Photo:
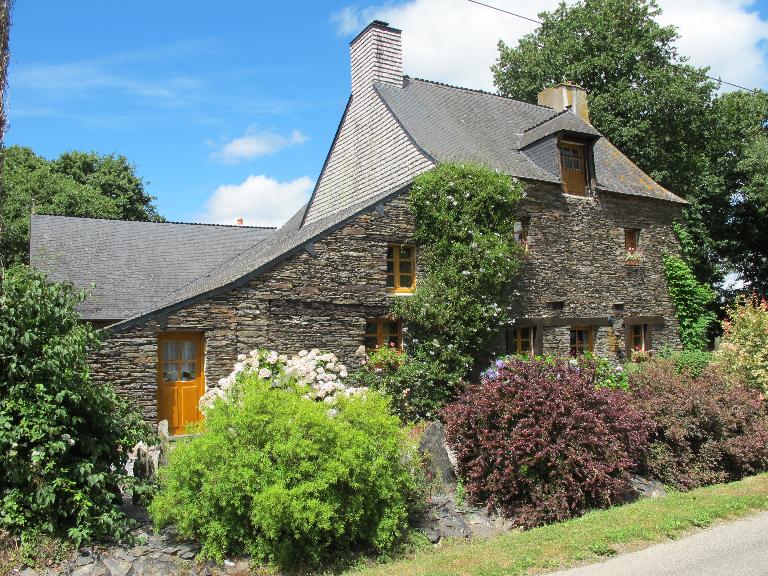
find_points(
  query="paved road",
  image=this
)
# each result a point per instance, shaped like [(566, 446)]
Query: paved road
[(738, 548)]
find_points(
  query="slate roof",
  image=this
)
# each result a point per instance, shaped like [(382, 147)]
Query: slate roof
[(457, 124), (126, 265)]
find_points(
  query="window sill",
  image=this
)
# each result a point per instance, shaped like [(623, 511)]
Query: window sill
[(397, 294)]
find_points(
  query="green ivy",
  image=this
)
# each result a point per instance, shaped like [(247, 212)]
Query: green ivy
[(465, 216), (64, 439), (691, 300)]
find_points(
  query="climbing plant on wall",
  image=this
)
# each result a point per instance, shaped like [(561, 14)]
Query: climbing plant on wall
[(691, 301), (465, 217)]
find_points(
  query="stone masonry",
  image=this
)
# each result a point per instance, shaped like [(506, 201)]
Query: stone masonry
[(574, 269)]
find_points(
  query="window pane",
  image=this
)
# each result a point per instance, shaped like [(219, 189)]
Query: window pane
[(406, 252), (390, 265), (392, 327), (370, 327), (393, 341), (170, 373), (405, 267), (390, 280), (525, 346), (370, 342), (390, 252), (406, 280), (188, 371), (170, 350), (188, 350)]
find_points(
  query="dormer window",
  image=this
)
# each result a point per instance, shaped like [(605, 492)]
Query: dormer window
[(573, 167)]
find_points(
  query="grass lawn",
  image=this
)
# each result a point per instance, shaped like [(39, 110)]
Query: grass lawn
[(594, 535)]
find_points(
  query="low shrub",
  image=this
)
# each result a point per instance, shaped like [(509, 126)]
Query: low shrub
[(691, 362), (542, 440), (64, 439), (418, 386), (287, 474), (706, 430), (743, 350)]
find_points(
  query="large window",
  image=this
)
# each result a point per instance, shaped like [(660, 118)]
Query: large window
[(521, 340), (573, 167), (383, 332), (401, 267), (581, 340)]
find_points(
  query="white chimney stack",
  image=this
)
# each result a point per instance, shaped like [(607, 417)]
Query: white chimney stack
[(377, 56)]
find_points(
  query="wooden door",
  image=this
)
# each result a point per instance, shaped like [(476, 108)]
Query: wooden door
[(180, 379), (573, 166)]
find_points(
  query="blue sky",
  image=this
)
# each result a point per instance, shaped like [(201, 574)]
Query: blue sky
[(230, 112)]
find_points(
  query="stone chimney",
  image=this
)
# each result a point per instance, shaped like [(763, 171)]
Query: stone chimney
[(566, 96), (377, 56)]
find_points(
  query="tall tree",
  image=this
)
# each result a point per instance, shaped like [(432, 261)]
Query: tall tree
[(652, 104), (75, 184)]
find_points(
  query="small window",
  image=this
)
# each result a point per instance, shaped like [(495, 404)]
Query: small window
[(573, 167), (383, 332), (581, 340), (520, 340), (639, 338), (631, 239), (521, 233), (401, 267)]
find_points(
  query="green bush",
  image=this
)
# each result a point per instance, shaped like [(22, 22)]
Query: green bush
[(64, 438), (417, 386), (290, 480), (691, 300), (691, 362)]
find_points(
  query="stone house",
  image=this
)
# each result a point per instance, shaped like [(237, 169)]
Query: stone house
[(181, 301)]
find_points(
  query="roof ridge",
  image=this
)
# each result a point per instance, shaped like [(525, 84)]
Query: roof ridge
[(476, 91), (160, 222)]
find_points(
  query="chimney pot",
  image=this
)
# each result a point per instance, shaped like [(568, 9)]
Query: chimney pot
[(377, 56), (566, 96)]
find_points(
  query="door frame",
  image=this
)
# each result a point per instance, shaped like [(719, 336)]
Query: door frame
[(180, 335)]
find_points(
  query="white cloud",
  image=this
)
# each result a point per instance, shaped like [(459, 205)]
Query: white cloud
[(259, 201), (455, 41), (256, 143)]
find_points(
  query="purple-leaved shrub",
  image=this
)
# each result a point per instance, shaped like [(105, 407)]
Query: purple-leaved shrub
[(542, 440)]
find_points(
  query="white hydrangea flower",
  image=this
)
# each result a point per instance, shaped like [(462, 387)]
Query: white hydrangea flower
[(265, 373)]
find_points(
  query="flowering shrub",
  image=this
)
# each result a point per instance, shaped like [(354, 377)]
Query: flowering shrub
[(64, 439), (279, 475), (541, 440), (321, 373), (705, 430), (743, 350), (465, 226), (417, 385)]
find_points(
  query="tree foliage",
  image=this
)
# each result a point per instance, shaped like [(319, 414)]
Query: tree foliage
[(665, 115), (64, 438), (743, 351), (75, 184), (465, 217)]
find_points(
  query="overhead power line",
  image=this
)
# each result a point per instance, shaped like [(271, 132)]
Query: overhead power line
[(516, 15)]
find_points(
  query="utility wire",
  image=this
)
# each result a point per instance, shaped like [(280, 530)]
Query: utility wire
[(719, 80)]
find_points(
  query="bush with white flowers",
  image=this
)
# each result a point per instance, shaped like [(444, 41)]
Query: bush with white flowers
[(320, 373)]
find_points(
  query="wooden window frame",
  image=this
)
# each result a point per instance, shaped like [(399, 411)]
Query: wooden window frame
[(631, 239), (396, 259), (590, 345), (383, 335), (521, 236), (583, 147), (645, 334), (516, 340)]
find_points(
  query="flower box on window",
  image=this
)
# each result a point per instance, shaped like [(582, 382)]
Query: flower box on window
[(633, 257)]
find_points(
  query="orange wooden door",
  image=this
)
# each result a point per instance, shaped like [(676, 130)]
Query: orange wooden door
[(180, 380), (573, 166)]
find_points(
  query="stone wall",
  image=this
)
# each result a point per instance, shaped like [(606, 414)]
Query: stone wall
[(576, 257)]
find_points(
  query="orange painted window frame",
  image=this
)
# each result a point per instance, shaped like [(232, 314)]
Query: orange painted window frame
[(383, 334), (396, 259)]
